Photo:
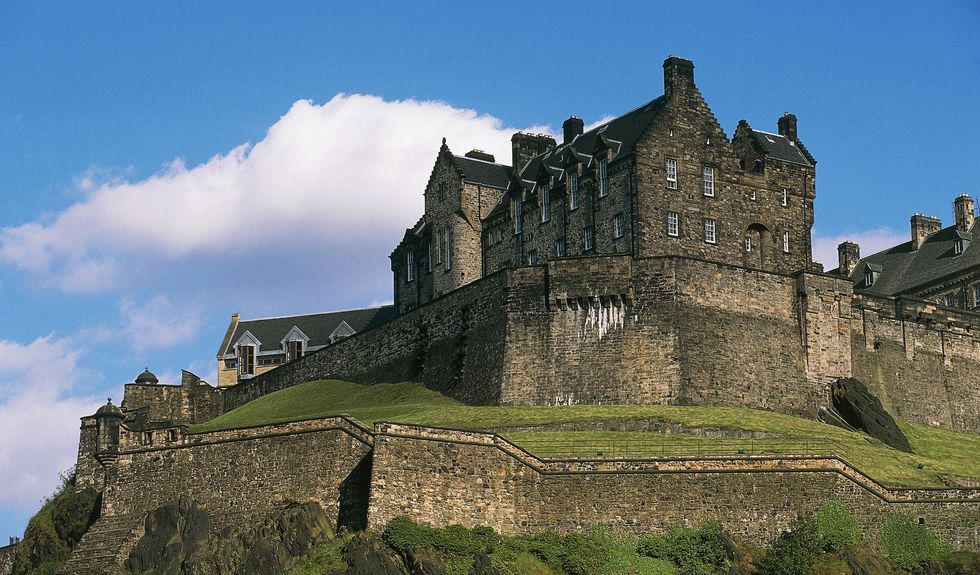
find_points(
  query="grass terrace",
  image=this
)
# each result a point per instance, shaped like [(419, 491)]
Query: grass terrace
[(938, 452)]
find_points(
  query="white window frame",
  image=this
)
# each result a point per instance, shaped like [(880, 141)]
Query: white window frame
[(976, 295), (748, 245), (785, 201), (708, 173), (603, 177), (752, 195), (518, 216), (545, 203), (573, 197), (870, 277), (785, 242), (410, 266), (589, 238), (710, 231), (619, 226), (560, 247), (958, 247), (951, 299), (532, 258), (673, 224), (671, 166)]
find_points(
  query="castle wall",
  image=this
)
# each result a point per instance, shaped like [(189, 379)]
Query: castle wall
[(447, 477), (240, 476), (923, 362), (88, 471), (7, 555), (191, 402)]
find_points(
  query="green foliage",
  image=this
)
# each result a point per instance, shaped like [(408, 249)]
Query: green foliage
[(908, 543), (836, 527), (325, 558), (697, 551), (795, 551), (403, 534)]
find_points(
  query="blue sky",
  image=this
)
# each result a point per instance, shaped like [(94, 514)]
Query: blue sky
[(165, 164)]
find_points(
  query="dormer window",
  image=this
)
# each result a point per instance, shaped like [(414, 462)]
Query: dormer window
[(294, 350), (246, 360), (518, 216), (573, 199), (545, 202), (603, 178), (958, 247), (870, 277)]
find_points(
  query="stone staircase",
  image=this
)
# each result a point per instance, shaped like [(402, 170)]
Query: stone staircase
[(105, 546)]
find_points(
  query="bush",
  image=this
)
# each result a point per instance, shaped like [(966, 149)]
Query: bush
[(908, 543), (836, 527), (793, 552), (693, 551)]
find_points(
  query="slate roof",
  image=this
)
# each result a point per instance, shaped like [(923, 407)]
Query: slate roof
[(483, 173), (905, 269), (317, 326), (780, 148)]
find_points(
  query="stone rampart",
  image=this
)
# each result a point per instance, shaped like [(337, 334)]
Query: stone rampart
[(448, 476), (7, 554)]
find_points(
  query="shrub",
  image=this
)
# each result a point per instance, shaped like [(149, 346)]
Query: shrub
[(908, 543), (836, 527), (693, 551), (793, 552)]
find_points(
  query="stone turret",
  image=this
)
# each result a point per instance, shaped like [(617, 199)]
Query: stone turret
[(963, 212), (107, 420), (848, 256)]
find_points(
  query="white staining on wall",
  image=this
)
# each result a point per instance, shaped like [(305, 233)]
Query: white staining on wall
[(600, 319)]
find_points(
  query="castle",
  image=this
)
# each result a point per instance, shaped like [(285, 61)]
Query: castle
[(648, 260)]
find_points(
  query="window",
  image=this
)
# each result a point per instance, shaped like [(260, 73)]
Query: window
[(951, 299), (958, 247), (785, 198), (560, 247), (545, 203), (672, 173), (437, 239), (518, 216), (231, 363), (246, 360), (976, 295), (532, 257), (709, 231), (752, 195), (748, 245), (294, 350), (410, 266), (870, 277), (785, 242), (589, 238), (603, 178), (442, 191), (709, 181), (619, 226), (444, 249), (428, 257), (572, 190), (449, 249), (673, 224)]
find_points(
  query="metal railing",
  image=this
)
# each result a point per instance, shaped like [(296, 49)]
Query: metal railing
[(568, 446)]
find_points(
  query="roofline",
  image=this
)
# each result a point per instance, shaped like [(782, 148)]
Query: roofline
[(317, 313), (479, 160)]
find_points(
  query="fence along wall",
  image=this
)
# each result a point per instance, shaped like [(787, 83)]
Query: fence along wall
[(445, 477)]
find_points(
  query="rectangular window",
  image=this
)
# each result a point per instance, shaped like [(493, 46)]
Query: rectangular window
[(572, 190), (449, 249), (442, 191), (752, 195), (710, 235), (532, 257), (672, 173), (869, 277), (748, 245), (545, 203), (437, 239), (785, 198), (560, 247), (410, 266), (976, 295), (785, 242), (951, 299), (428, 256), (958, 247), (673, 224), (709, 181), (589, 238), (619, 226), (294, 350), (444, 249), (518, 216), (246, 360), (603, 178)]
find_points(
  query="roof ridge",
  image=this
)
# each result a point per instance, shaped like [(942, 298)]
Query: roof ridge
[(316, 313), (479, 160)]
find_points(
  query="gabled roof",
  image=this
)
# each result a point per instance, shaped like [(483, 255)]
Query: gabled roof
[(316, 326), (905, 269), (483, 173), (781, 148)]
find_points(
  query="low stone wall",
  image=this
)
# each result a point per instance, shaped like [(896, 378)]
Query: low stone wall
[(7, 559), (447, 476)]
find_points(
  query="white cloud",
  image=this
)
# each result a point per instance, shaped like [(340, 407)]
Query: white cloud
[(157, 323), (871, 241), (321, 174), (37, 416)]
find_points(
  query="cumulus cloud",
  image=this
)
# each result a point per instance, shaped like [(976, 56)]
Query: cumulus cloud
[(38, 416), (322, 174), (871, 241), (157, 323)]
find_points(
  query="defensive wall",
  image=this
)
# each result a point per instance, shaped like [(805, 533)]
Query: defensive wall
[(7, 554), (676, 330)]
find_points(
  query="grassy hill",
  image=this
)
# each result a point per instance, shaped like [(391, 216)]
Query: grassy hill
[(937, 452)]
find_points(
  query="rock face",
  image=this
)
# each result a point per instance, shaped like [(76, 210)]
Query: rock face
[(367, 555), (862, 410)]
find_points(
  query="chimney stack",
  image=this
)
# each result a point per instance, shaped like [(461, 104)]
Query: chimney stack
[(848, 255), (787, 126), (678, 74), (963, 212), (526, 146), (480, 155), (573, 126), (924, 226)]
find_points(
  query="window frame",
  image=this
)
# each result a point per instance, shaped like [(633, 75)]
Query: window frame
[(951, 299), (619, 226), (710, 231), (589, 239), (785, 242), (518, 207), (670, 165), (560, 250), (246, 361), (676, 224), (573, 191), (532, 257), (294, 349), (410, 266), (603, 169), (449, 248), (785, 200), (708, 179), (545, 197)]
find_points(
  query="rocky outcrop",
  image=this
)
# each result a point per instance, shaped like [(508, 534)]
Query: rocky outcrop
[(367, 555), (862, 410)]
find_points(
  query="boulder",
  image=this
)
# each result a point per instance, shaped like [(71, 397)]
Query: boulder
[(367, 555), (482, 566), (862, 410)]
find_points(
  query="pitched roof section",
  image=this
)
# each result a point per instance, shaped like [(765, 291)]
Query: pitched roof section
[(781, 148), (483, 173), (906, 269), (317, 326)]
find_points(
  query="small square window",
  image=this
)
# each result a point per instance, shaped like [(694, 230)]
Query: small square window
[(709, 181), (671, 173), (710, 234), (673, 224), (589, 238), (619, 226)]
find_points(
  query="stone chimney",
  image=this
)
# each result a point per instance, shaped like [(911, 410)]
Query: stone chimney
[(848, 256), (678, 74), (963, 212), (787, 126), (924, 226), (480, 155), (573, 126), (526, 146)]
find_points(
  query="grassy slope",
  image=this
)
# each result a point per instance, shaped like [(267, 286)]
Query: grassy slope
[(941, 451)]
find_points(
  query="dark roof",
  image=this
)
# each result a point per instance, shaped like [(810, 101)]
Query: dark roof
[(905, 269), (620, 134), (109, 409), (316, 326), (483, 173), (147, 377), (781, 148)]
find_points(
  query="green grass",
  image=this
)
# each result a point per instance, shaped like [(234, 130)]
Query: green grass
[(940, 452)]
